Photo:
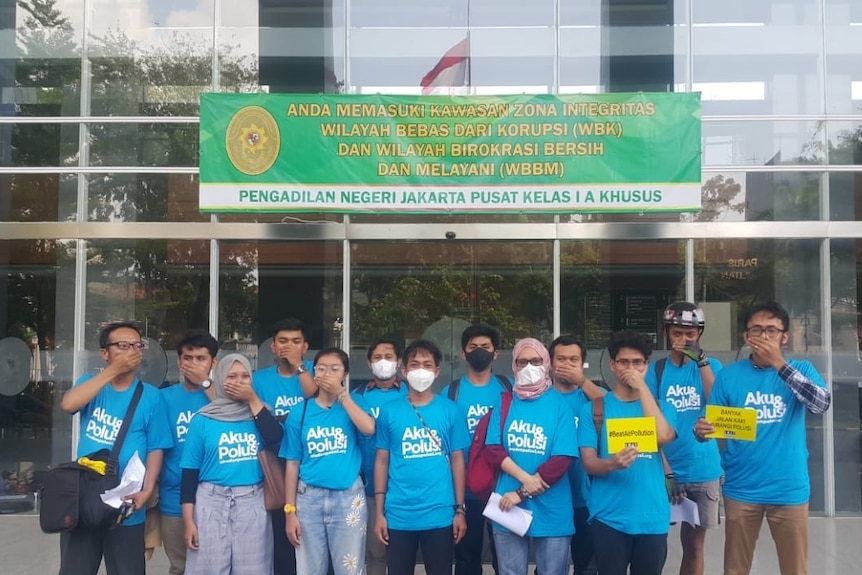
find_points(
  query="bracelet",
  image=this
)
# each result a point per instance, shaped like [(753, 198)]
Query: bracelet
[(288, 508), (703, 362), (342, 395), (379, 493)]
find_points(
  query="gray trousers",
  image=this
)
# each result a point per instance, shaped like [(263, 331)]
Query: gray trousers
[(234, 534)]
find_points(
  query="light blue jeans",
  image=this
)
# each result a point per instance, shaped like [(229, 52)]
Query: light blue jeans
[(552, 554), (333, 524)]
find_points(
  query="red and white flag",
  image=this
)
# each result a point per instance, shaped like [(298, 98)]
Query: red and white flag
[(452, 71)]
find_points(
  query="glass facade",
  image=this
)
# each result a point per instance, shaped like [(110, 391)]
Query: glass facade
[(99, 218)]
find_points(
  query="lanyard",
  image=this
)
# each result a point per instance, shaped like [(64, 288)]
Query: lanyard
[(433, 437)]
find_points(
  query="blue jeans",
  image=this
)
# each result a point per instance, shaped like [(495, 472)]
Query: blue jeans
[(333, 525), (552, 554)]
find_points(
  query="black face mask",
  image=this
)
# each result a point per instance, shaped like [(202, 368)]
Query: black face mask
[(479, 359)]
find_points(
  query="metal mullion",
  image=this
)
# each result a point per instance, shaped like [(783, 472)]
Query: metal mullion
[(558, 290), (82, 168), (215, 249), (689, 270), (99, 119), (828, 417)]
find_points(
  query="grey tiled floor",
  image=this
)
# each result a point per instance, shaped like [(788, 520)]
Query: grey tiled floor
[(835, 549)]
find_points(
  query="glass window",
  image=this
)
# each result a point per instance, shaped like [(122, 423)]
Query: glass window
[(37, 279), (408, 13), (511, 13), (281, 46), (144, 144), (144, 198), (434, 290), (150, 62), (261, 283), (43, 144), (733, 274), (845, 143), (845, 196), (847, 373), (581, 14), (581, 62), (843, 51), (760, 143), (758, 57), (518, 57), (41, 57), (161, 285), (609, 286), (759, 196), (39, 197)]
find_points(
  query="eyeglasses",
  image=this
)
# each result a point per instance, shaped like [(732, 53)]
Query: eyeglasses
[(330, 368), (127, 345), (757, 331), (636, 363), (521, 362)]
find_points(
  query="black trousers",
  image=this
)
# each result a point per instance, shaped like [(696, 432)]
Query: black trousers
[(283, 553), (582, 543), (615, 551), (468, 552), (436, 545), (82, 549)]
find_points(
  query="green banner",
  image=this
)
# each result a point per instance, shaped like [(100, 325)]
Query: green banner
[(451, 154)]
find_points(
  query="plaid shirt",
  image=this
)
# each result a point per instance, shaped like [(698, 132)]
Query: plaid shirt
[(815, 398)]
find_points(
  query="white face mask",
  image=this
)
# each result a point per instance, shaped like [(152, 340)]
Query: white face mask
[(420, 379), (384, 369), (530, 375)]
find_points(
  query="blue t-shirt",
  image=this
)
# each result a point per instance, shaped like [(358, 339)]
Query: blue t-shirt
[(420, 493), (534, 431), (773, 469), (579, 480), (692, 461), (632, 500), (376, 399), (225, 452), (327, 446), (102, 418), (180, 405), (280, 393), (474, 401)]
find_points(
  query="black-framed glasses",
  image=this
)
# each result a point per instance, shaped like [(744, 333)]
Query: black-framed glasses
[(757, 331), (127, 345), (636, 363), (520, 362)]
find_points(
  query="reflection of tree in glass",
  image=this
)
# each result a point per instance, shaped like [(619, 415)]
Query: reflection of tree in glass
[(515, 298), (238, 293), (719, 196)]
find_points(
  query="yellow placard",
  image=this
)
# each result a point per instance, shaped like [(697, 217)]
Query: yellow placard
[(732, 422), (636, 431)]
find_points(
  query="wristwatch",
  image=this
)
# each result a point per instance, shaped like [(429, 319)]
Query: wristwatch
[(288, 508), (206, 383), (300, 369), (462, 507)]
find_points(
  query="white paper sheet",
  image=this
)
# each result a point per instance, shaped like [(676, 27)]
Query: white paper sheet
[(685, 511), (130, 483), (516, 519)]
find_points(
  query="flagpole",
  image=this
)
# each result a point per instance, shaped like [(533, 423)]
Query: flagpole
[(469, 54)]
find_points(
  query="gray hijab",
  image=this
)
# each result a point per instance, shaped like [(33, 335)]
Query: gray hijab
[(223, 408)]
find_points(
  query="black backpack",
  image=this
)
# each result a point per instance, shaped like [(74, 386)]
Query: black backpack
[(455, 385)]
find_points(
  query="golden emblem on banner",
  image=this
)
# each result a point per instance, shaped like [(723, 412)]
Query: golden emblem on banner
[(252, 140)]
